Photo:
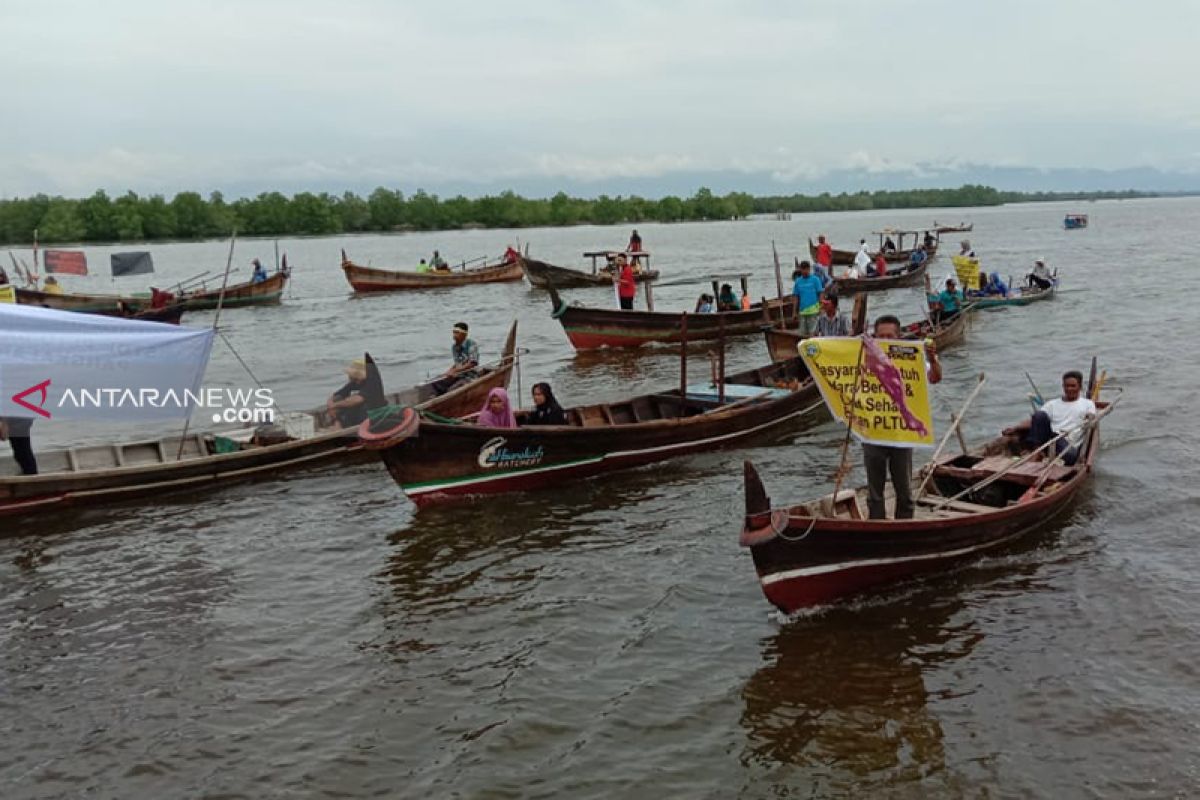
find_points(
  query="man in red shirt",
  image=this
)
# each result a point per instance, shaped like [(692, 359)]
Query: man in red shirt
[(626, 285), (825, 255)]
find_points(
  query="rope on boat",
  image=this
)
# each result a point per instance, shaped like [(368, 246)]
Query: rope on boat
[(778, 531)]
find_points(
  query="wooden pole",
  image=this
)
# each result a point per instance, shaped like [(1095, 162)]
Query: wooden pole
[(778, 275), (843, 467), (955, 423), (649, 294), (721, 359), (683, 374)]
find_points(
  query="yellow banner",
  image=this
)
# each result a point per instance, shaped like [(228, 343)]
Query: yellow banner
[(968, 271), (891, 402), (8, 294)]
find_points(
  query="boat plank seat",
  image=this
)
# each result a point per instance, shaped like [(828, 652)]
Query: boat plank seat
[(956, 505), (594, 417), (1026, 474), (621, 414)]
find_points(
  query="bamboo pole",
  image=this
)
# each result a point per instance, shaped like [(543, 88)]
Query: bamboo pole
[(955, 422)]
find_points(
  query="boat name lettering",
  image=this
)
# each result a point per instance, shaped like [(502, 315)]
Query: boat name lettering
[(495, 454)]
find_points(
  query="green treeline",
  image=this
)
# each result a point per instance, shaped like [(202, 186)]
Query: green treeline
[(188, 215)]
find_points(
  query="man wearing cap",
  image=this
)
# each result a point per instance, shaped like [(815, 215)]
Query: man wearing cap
[(466, 361), (362, 393), (1040, 277)]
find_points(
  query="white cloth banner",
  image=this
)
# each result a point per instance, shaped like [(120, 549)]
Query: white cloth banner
[(63, 364)]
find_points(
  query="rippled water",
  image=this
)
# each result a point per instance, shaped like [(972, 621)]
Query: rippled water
[(316, 637)]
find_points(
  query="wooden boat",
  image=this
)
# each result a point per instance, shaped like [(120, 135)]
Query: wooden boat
[(962, 227), (1020, 296), (901, 255), (783, 345), (436, 461), (1075, 221), (370, 279), (590, 328), (267, 292), (107, 304), (171, 314), (542, 274), (817, 552), (104, 473), (907, 275)]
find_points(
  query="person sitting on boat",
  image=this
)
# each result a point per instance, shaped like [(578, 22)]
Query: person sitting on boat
[(260, 273), (635, 242), (626, 283), (879, 459), (439, 263), (918, 257), (746, 304), (862, 259), (546, 410), (829, 321), (16, 431), (888, 245), (1040, 277), (497, 411), (965, 248), (992, 286), (52, 286), (807, 288), (1064, 415), (423, 267), (510, 255), (362, 393), (946, 304), (704, 305), (928, 240), (879, 267), (465, 353), (727, 300)]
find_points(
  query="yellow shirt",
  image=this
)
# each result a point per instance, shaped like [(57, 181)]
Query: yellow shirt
[(52, 288)]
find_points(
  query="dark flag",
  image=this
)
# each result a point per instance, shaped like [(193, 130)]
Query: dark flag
[(66, 262), (131, 264)]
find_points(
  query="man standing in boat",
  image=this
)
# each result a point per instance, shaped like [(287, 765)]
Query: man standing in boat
[(879, 459), (824, 259), (626, 283), (466, 361), (807, 288), (829, 321)]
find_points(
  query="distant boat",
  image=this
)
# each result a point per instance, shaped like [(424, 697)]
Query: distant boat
[(1073, 221)]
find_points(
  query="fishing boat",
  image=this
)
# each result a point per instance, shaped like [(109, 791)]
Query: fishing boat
[(783, 344), (900, 255), (249, 293), (906, 275), (1075, 221), (542, 274), (370, 279), (435, 461), (1019, 296), (961, 227), (106, 304), (817, 552), (90, 475), (589, 328)]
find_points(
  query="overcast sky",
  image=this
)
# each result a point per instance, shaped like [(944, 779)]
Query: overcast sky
[(164, 96)]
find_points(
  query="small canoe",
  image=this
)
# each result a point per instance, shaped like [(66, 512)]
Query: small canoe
[(589, 328), (542, 274), (369, 279), (960, 228), (249, 293), (782, 344), (437, 461), (907, 275), (1020, 296), (105, 473), (818, 552)]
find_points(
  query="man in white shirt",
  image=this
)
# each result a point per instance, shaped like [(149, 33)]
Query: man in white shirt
[(1065, 414), (862, 259)]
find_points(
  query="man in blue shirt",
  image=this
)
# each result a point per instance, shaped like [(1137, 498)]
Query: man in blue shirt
[(807, 288), (918, 257), (948, 303)]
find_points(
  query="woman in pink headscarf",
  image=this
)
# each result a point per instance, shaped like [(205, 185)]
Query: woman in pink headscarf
[(497, 412)]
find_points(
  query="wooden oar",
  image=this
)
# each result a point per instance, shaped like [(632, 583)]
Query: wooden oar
[(955, 421)]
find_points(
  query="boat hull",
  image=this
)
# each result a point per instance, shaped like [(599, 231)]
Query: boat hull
[(591, 328), (846, 257), (444, 462), (542, 275), (263, 293), (369, 280), (1018, 297), (907, 276)]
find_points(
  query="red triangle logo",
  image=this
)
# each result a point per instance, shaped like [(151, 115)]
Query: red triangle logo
[(19, 398)]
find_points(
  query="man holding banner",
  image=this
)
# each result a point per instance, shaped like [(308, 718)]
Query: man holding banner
[(879, 386)]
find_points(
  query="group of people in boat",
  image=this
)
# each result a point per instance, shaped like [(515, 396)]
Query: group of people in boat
[(435, 264), (726, 300), (867, 264)]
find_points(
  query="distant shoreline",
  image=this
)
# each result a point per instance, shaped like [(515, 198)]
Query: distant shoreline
[(188, 217)]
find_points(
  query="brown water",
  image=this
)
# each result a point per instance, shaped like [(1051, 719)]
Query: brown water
[(315, 637)]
